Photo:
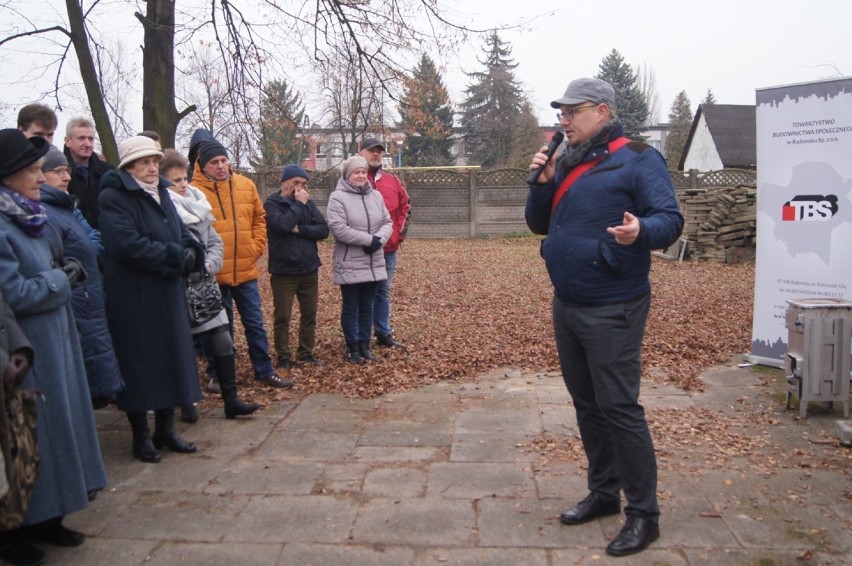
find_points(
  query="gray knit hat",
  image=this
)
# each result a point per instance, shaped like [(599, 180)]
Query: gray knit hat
[(351, 164), (54, 158)]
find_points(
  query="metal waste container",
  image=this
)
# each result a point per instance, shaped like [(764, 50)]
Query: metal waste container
[(817, 362)]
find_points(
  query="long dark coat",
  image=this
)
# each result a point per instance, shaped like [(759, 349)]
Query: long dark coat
[(39, 294), (71, 238), (146, 294)]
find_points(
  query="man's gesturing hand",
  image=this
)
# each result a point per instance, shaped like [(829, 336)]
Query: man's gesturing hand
[(627, 233)]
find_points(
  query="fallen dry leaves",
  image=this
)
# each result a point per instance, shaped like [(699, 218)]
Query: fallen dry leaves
[(465, 307)]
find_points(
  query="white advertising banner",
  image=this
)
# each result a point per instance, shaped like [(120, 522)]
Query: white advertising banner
[(804, 204)]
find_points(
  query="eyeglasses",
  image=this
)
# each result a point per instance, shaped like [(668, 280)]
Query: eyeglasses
[(569, 114), (60, 171)]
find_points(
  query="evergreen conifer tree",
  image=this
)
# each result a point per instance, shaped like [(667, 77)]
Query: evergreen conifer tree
[(709, 98), (426, 117), (281, 115), (680, 121), (494, 101), (630, 104)]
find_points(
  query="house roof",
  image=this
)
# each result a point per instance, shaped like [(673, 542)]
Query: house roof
[(733, 129)]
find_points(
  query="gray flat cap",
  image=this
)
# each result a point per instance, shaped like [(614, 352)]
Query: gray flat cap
[(587, 90)]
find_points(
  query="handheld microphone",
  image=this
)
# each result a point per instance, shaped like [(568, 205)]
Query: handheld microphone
[(555, 142)]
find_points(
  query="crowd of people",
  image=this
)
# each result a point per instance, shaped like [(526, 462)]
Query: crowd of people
[(97, 262), (113, 279)]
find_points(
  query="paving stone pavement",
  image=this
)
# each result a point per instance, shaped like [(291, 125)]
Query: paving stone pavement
[(455, 473)]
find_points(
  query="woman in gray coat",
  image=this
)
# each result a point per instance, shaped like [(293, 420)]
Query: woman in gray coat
[(360, 223), (38, 290), (197, 214)]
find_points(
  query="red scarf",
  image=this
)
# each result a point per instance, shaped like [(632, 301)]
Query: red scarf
[(575, 173)]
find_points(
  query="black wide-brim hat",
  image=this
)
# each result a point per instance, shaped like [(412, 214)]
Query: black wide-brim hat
[(17, 152)]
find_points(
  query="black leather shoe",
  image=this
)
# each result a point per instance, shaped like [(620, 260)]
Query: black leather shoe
[(310, 360), (590, 508), (54, 532), (635, 536), (389, 341)]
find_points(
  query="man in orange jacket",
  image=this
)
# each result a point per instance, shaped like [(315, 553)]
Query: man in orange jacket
[(241, 222)]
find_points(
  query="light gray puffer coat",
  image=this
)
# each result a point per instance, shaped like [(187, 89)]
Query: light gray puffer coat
[(356, 214)]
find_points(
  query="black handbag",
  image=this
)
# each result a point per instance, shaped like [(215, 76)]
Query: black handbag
[(203, 298)]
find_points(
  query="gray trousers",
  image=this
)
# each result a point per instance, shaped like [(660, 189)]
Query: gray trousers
[(600, 356)]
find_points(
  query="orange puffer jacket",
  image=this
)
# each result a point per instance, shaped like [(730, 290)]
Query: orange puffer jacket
[(240, 221)]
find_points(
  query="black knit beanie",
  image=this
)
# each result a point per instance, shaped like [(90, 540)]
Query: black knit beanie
[(210, 149)]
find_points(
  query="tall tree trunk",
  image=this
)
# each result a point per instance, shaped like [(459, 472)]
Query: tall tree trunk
[(158, 71), (94, 94)]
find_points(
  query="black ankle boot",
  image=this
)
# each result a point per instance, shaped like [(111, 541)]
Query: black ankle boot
[(366, 353), (226, 372), (143, 448), (353, 355), (165, 435)]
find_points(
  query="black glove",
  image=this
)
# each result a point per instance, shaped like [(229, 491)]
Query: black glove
[(188, 260), (74, 271), (377, 243)]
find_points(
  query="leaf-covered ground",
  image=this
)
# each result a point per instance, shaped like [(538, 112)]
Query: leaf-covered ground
[(464, 307)]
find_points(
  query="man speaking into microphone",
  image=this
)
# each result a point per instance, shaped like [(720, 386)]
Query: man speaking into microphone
[(604, 204)]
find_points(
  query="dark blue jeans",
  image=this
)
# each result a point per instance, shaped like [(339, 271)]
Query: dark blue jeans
[(382, 306), (356, 314), (599, 352), (247, 298)]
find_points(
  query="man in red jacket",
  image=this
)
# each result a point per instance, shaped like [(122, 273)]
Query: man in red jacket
[(396, 201)]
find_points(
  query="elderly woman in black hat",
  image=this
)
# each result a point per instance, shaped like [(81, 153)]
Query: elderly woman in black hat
[(149, 252), (36, 283)]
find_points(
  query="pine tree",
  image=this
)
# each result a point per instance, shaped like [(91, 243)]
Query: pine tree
[(680, 121), (494, 100), (426, 117), (630, 105), (709, 99), (281, 114)]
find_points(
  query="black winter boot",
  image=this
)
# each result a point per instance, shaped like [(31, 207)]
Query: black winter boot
[(165, 435), (364, 350), (353, 354), (143, 448), (226, 371)]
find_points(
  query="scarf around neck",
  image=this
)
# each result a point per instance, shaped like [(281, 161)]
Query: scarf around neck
[(575, 155), (27, 214), (192, 208), (153, 190)]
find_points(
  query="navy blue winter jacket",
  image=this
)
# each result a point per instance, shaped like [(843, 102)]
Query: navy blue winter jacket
[(289, 253), (585, 263), (67, 234)]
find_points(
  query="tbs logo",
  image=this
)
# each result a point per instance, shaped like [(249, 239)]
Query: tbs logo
[(809, 208)]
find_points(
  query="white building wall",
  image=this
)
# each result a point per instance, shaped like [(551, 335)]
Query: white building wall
[(703, 154)]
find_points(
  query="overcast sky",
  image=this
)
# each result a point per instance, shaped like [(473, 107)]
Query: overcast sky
[(731, 47)]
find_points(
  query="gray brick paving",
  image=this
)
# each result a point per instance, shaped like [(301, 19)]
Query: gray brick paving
[(449, 474)]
